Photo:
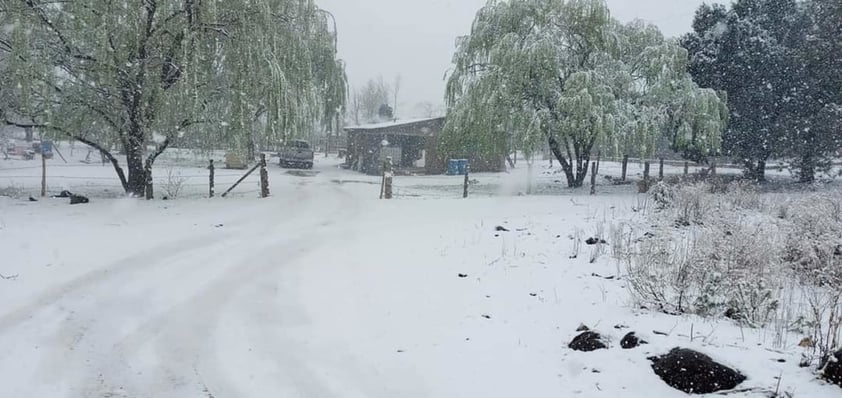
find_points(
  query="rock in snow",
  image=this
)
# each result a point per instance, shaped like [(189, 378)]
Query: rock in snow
[(631, 341), (588, 341), (78, 199), (694, 372), (593, 241)]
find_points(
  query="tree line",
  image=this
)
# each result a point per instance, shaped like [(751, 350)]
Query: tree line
[(779, 61), (756, 81), (138, 77)]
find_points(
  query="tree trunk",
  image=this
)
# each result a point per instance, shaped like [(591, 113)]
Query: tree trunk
[(661, 170), (106, 156), (625, 166), (509, 160), (756, 171), (807, 169), (582, 173), (575, 179), (150, 190), (251, 153), (760, 172), (136, 183)]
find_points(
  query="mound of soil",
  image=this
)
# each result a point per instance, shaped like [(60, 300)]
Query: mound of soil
[(695, 373), (588, 341)]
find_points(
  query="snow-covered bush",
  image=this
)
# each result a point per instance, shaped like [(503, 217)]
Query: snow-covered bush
[(685, 202), (174, 183), (813, 250), (730, 250), (717, 269)]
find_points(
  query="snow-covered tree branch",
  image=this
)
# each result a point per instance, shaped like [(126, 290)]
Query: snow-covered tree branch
[(121, 73), (566, 73)]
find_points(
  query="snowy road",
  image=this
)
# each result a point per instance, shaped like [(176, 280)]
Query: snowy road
[(324, 291), (153, 321)]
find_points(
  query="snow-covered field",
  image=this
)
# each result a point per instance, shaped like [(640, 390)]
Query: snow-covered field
[(322, 290)]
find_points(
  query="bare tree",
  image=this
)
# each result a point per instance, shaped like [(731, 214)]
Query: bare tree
[(372, 97)]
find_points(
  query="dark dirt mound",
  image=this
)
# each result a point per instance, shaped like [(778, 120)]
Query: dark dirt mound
[(631, 341), (694, 372), (833, 370), (588, 341), (78, 199)]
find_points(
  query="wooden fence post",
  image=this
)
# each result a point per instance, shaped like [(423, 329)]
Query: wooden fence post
[(593, 178), (383, 181), (264, 177), (646, 171), (210, 178), (686, 168), (625, 166), (713, 167), (150, 190), (661, 170), (43, 174), (467, 181), (387, 179)]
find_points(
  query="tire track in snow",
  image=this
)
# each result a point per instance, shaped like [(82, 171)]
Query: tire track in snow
[(92, 278), (190, 321)]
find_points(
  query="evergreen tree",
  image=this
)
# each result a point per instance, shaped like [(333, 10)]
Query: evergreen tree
[(774, 59), (815, 127)]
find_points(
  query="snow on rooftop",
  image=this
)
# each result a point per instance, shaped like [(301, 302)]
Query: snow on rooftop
[(392, 123)]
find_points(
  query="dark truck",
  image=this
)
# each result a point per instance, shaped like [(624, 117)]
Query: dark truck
[(296, 154)]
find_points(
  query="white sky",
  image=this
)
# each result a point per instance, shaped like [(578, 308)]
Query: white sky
[(415, 38)]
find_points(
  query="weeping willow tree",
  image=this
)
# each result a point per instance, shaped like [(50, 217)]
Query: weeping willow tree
[(566, 73), (144, 75)]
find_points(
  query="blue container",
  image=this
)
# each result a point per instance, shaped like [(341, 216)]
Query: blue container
[(46, 147), (453, 167), (463, 166)]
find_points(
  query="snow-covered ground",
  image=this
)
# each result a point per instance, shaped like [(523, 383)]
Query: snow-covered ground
[(322, 290)]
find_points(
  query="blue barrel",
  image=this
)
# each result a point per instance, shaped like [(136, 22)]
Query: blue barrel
[(463, 166), (453, 167)]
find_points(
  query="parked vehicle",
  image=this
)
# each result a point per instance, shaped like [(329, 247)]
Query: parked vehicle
[(296, 154)]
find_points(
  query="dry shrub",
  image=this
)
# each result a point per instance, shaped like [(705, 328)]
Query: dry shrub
[(728, 250), (813, 250), (719, 269)]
